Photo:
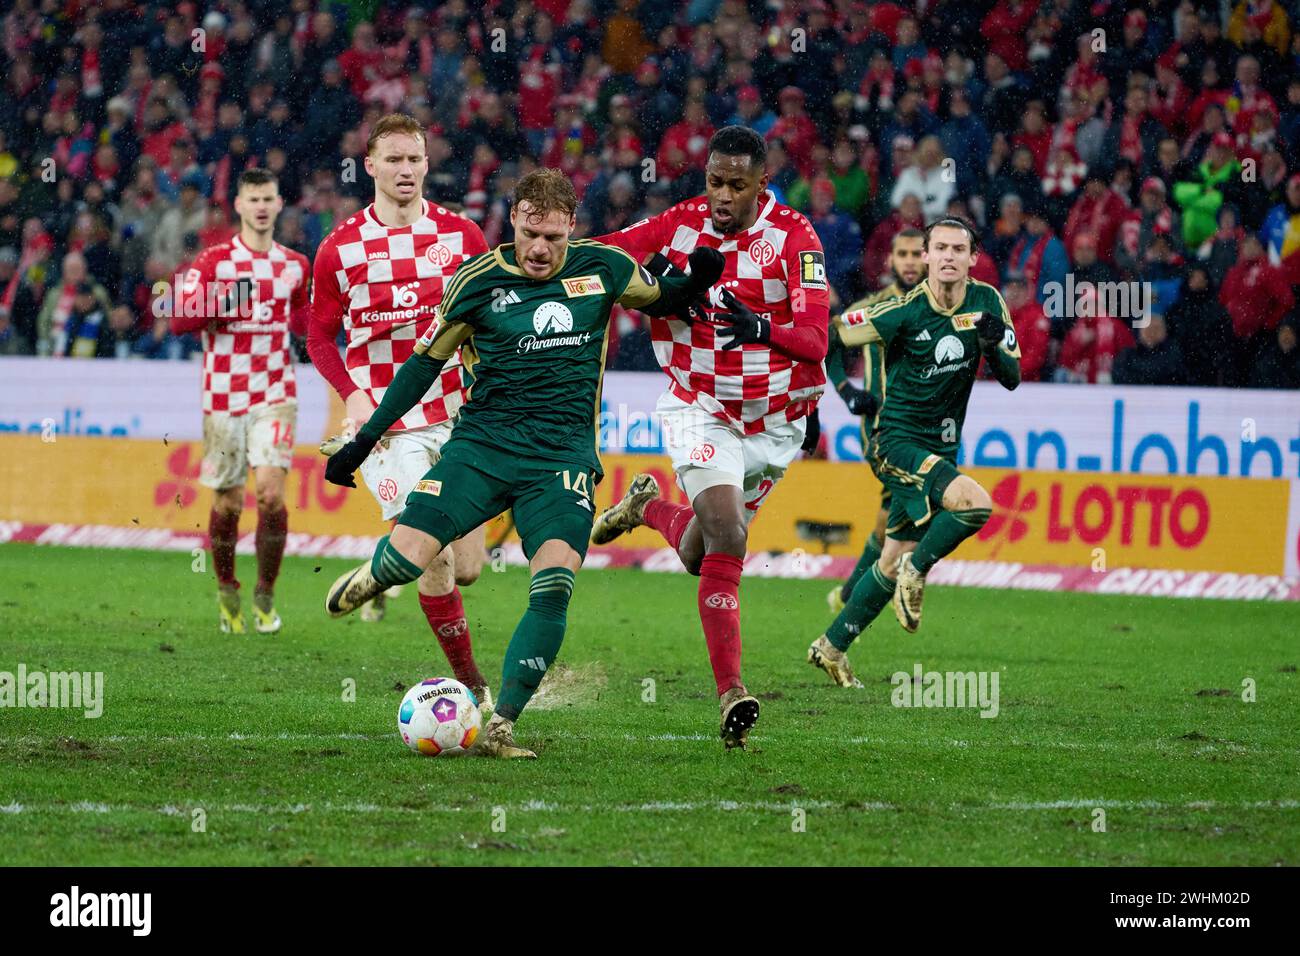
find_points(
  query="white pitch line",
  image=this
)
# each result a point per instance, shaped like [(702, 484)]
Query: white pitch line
[(726, 806)]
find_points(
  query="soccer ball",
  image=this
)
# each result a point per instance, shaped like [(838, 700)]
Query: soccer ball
[(439, 716)]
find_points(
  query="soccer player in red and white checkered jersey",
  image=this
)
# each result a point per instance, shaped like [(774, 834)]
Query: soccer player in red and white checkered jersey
[(742, 385), (379, 276), (246, 296)]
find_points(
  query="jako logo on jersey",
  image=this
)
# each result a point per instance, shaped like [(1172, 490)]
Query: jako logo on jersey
[(949, 349), (718, 599), (405, 296), (582, 285), (762, 252), (703, 453), (552, 318), (438, 254), (376, 255)]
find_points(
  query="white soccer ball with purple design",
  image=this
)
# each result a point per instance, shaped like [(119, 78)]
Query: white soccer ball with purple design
[(439, 717)]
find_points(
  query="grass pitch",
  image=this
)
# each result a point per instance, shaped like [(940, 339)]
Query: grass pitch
[(216, 749)]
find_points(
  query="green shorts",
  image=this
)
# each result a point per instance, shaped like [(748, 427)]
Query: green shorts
[(916, 480), (869, 453), (472, 483)]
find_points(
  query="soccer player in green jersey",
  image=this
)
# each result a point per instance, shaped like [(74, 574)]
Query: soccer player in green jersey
[(908, 268), (531, 319), (933, 339)]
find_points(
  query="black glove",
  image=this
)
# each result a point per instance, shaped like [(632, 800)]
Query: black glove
[(859, 400), (341, 464), (706, 268), (659, 265), (813, 435), (990, 330), (741, 323)]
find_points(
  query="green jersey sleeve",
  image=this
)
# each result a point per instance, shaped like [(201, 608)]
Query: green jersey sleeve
[(876, 323)]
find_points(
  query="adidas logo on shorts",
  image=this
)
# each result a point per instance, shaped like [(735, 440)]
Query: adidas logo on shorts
[(536, 663)]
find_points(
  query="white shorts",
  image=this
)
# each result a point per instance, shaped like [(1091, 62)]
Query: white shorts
[(399, 461), (706, 451), (231, 443)]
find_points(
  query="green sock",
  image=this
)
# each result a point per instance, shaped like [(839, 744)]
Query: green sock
[(390, 567), (947, 530), (872, 592), (870, 555), (536, 640)]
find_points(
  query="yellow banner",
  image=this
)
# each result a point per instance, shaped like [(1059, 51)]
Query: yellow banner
[(1072, 519)]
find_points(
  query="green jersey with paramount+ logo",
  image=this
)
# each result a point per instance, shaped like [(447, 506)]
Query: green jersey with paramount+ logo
[(931, 358), (535, 348)]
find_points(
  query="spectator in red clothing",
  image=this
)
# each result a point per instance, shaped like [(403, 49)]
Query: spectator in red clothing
[(539, 84), (1004, 30), (1256, 295), (796, 130), (1093, 343), (1033, 328), (160, 131), (686, 144), (1035, 134), (1170, 98), (363, 61), (875, 259), (1247, 96), (1100, 211)]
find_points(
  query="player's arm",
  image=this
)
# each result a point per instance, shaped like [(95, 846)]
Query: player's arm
[(641, 239), (805, 339), (412, 380), (860, 401), (194, 286), (300, 303), (327, 310), (672, 292), (998, 342), (875, 323)]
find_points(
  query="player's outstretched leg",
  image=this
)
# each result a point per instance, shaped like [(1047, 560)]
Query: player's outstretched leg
[(873, 591), (223, 534), (627, 513), (388, 567), (870, 555), (966, 509), (533, 648), (440, 601), (272, 531)]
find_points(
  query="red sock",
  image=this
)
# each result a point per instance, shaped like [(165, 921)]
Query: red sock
[(720, 614), (446, 616), (223, 532), (272, 529), (668, 519)]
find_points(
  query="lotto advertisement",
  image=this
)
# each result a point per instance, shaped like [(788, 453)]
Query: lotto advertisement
[(1118, 490)]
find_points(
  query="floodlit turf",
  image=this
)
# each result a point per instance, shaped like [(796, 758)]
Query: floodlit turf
[(1131, 706)]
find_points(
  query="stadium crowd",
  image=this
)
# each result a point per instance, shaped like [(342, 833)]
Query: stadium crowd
[(1091, 142)]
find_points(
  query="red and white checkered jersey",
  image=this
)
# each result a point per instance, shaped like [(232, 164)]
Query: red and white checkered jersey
[(778, 269), (246, 361), (383, 284)]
